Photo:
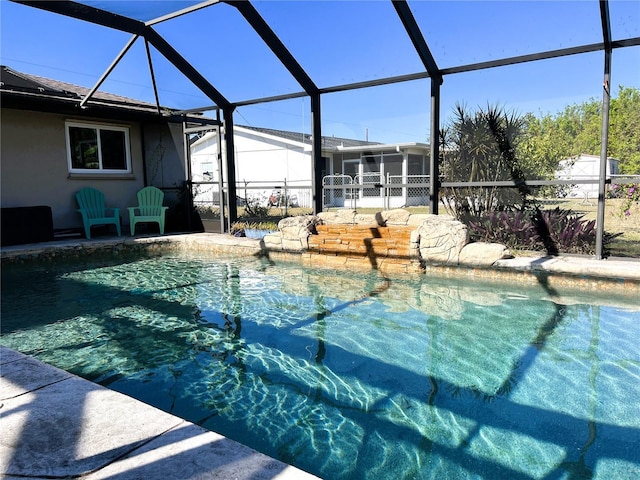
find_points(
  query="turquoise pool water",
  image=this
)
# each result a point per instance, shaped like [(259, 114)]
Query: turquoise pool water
[(351, 375)]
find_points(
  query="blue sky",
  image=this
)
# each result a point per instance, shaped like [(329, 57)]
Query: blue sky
[(339, 42)]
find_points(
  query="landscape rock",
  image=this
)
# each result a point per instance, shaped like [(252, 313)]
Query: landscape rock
[(343, 216), (273, 241), (308, 222), (368, 220), (483, 254), (442, 238), (417, 219), (436, 239), (398, 216)]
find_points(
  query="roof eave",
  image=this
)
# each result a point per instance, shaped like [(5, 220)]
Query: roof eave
[(71, 106), (384, 146)]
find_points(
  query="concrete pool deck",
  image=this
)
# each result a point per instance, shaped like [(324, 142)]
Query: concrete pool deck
[(57, 425)]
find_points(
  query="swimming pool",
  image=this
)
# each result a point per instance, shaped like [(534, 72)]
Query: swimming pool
[(350, 375)]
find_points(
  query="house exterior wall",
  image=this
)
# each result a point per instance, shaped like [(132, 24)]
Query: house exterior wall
[(585, 167), (166, 169), (164, 155), (271, 160), (263, 163), (35, 172)]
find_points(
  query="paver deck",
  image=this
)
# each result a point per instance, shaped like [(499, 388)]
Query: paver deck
[(56, 425)]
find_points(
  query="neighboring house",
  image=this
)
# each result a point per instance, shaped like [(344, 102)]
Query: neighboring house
[(52, 147), (584, 167), (271, 161)]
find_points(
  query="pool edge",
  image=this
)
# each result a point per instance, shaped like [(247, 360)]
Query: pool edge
[(93, 426), (562, 271)]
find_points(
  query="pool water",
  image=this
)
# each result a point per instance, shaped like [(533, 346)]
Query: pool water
[(350, 375)]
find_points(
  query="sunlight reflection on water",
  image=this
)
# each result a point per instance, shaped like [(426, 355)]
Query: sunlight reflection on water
[(427, 378)]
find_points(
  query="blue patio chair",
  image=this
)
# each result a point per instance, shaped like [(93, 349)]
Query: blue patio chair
[(149, 209), (93, 210)]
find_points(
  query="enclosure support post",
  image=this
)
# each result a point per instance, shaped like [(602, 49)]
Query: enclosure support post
[(231, 169), (434, 147), (316, 152), (604, 141), (606, 98), (188, 182), (221, 199)]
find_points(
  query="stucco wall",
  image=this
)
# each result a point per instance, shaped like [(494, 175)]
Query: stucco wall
[(257, 158), (34, 168), (164, 147), (263, 162)]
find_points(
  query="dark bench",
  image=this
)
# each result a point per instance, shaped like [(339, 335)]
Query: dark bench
[(26, 225)]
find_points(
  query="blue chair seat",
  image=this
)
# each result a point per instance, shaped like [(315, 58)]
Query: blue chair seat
[(93, 210), (149, 209)]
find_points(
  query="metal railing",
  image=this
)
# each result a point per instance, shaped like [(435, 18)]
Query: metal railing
[(373, 190), (283, 194), (395, 191)]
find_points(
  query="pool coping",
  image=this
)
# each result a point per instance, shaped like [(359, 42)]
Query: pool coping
[(57, 425), (575, 266)]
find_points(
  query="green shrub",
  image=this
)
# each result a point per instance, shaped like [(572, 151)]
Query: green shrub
[(629, 193), (552, 231)]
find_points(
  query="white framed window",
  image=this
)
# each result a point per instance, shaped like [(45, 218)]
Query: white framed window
[(97, 148)]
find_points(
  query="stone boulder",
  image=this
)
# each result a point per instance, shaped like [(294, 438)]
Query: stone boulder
[(441, 239), (343, 216), (273, 241), (301, 223), (397, 216), (368, 220), (436, 239), (417, 219), (483, 254), (293, 234)]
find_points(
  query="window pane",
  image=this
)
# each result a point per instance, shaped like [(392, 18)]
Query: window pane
[(83, 143), (351, 156), (350, 167), (371, 163), (371, 175), (393, 164), (393, 168), (113, 147), (416, 164)]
